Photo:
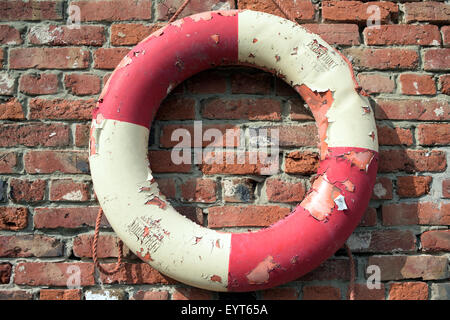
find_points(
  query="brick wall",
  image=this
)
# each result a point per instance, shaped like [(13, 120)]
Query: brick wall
[(50, 78)]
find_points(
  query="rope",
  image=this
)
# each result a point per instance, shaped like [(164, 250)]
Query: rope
[(284, 10), (94, 248), (351, 295), (180, 9)]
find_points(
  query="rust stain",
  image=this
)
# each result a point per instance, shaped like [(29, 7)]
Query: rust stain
[(261, 273), (216, 38), (319, 103), (361, 160), (216, 278), (320, 201)]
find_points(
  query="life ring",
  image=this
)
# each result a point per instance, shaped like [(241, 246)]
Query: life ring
[(205, 258)]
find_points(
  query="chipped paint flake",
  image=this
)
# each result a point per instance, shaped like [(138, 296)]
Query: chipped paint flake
[(361, 160), (261, 273), (340, 202), (349, 186), (216, 38), (216, 278)]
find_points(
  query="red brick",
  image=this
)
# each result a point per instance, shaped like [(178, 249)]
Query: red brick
[(251, 83), (49, 58), (82, 84), (279, 190), (423, 213), (30, 245), (280, 294), (199, 190), (242, 109), (104, 294), (69, 190), (57, 35), (376, 83), (399, 267), (423, 35), (445, 30), (82, 132), (134, 273), (60, 294), (208, 82), (34, 134), (167, 187), (9, 35), (394, 136), (340, 34), (115, 10), (161, 161), (428, 11), (2, 57), (31, 10), (413, 186), (165, 10), (444, 82), (126, 34), (369, 218), (436, 59), (330, 269), (5, 273), (382, 189), (230, 135), (412, 109), (302, 10), (15, 295), (238, 189), (382, 58), (191, 294), (44, 83), (435, 240), (382, 241), (194, 214), (61, 109), (248, 216), (51, 161), (27, 190), (13, 218), (357, 12), (56, 274), (7, 84), (417, 84), (72, 217), (296, 136), (412, 160), (107, 246), (239, 163), (408, 291), (284, 89), (362, 292), (181, 108), (434, 134), (150, 295), (446, 188), (109, 58), (11, 110), (8, 162), (305, 163), (321, 293), (298, 111)]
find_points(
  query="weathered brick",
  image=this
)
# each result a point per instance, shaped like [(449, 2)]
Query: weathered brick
[(49, 58), (340, 34), (27, 190), (362, 292), (238, 189), (34, 134), (279, 190), (435, 240), (61, 109), (161, 161), (376, 83), (330, 269), (446, 188), (60, 294), (298, 110), (31, 10), (127, 34), (8, 162), (248, 216), (56, 274), (369, 218), (208, 82), (399, 267), (424, 35), (382, 58), (312, 292), (240, 109), (9, 35), (408, 291), (428, 11), (280, 294), (150, 295), (104, 294), (82, 84), (57, 35), (30, 245), (412, 109), (295, 136), (69, 190), (412, 160), (394, 136), (7, 84), (5, 273), (436, 59), (72, 217), (192, 294), (382, 241), (413, 186), (434, 134), (199, 190), (109, 58), (417, 84), (35, 83), (114, 10), (251, 83), (304, 163), (82, 132), (15, 295), (444, 83), (302, 10), (423, 213), (357, 12), (182, 108), (11, 110), (107, 246), (12, 218), (440, 291), (134, 273), (51, 161)]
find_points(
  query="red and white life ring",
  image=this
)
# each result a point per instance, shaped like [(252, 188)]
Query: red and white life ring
[(206, 258)]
